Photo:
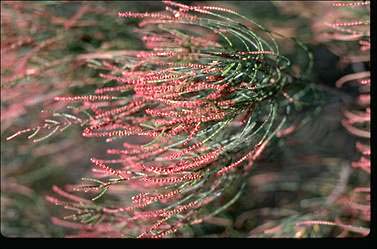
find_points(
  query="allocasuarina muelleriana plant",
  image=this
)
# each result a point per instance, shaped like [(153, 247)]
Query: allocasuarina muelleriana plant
[(193, 113)]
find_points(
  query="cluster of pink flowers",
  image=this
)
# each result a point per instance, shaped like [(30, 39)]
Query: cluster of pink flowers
[(191, 114)]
